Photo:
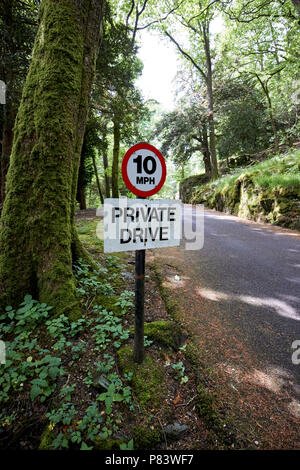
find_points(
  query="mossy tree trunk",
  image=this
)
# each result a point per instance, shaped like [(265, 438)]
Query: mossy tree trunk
[(7, 140), (38, 239), (9, 109)]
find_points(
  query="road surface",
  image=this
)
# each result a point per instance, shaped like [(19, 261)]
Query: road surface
[(240, 294)]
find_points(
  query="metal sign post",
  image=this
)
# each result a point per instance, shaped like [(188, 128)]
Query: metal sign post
[(139, 349)]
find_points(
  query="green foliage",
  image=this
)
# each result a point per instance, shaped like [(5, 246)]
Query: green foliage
[(110, 397), (128, 446), (243, 119), (69, 428), (88, 282), (267, 191), (26, 363), (108, 329), (125, 301), (180, 369)]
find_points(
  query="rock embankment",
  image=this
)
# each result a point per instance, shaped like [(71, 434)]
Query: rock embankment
[(266, 192)]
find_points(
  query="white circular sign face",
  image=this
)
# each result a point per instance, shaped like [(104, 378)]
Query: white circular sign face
[(143, 170)]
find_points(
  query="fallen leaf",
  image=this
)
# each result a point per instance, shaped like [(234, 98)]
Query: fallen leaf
[(177, 399)]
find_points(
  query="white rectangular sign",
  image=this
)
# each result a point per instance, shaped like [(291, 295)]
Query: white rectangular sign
[(141, 224)]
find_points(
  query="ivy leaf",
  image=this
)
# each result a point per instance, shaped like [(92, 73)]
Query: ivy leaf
[(34, 392), (85, 447), (118, 397), (53, 372)]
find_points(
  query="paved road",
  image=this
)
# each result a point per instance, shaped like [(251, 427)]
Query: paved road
[(241, 294), (254, 268)]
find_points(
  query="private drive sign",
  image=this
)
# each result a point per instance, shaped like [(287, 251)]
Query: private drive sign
[(138, 224), (144, 170)]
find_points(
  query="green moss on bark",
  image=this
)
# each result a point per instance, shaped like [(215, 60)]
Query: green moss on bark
[(37, 234)]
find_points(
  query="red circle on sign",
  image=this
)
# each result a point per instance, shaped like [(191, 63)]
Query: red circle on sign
[(133, 189)]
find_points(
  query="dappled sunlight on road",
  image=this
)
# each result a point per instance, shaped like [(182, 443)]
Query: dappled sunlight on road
[(273, 378), (211, 294), (281, 307), (223, 217), (219, 234), (294, 408), (296, 281)]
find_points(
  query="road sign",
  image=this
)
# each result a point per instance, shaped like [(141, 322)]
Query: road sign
[(144, 170), (141, 224)]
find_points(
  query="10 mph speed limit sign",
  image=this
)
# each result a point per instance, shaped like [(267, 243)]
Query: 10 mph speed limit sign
[(144, 170)]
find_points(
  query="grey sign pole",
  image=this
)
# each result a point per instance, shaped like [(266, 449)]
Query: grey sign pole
[(139, 350)]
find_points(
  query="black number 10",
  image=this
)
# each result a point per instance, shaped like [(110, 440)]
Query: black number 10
[(148, 160)]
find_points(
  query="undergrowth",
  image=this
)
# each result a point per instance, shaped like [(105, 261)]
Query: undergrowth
[(281, 171)]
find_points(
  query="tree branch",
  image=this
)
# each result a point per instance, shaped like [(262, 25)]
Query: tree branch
[(185, 54), (161, 19)]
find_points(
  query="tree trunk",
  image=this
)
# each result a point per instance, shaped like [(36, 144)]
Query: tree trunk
[(182, 172), (80, 194), (105, 163), (38, 240), (206, 152), (270, 108), (97, 179), (106, 176), (209, 87), (7, 141), (81, 198), (297, 5), (115, 163), (9, 109)]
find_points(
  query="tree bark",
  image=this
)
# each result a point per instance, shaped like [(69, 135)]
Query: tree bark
[(9, 109), (270, 109), (115, 163), (80, 194), (209, 87), (105, 165), (38, 240), (272, 117), (206, 152), (7, 141), (97, 179), (81, 198), (106, 177)]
